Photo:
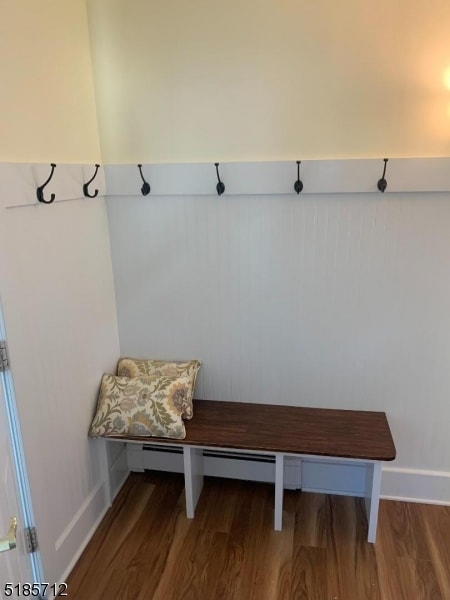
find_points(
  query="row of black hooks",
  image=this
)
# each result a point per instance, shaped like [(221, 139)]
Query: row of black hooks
[(40, 189), (145, 189), (298, 185), (381, 184)]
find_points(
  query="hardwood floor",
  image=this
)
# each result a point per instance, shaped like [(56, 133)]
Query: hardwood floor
[(146, 549)]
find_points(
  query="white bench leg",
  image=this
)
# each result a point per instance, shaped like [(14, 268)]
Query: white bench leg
[(193, 477), (372, 497), (279, 484), (104, 466), (135, 457)]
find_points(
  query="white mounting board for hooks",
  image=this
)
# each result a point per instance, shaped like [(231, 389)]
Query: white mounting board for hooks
[(18, 182), (260, 178)]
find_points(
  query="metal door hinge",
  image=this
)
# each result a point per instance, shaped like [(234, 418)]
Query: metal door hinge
[(4, 363), (31, 539)]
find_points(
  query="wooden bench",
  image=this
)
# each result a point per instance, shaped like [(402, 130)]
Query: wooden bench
[(280, 431)]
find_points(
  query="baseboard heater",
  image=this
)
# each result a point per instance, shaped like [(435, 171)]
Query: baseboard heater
[(217, 463), (214, 453), (308, 474)]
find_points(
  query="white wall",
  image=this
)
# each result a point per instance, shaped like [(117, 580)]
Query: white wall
[(55, 269), (58, 299), (244, 80), (321, 300)]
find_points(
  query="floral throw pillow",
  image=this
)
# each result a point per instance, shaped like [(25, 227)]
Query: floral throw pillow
[(134, 367), (145, 406)]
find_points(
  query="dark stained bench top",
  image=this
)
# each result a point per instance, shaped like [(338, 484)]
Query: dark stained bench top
[(288, 429)]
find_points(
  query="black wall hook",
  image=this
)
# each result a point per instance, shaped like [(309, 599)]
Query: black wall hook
[(86, 185), (145, 189), (40, 189), (220, 187), (298, 185), (382, 183)]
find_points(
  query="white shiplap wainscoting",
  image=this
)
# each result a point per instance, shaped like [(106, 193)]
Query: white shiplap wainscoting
[(338, 297), (57, 296)]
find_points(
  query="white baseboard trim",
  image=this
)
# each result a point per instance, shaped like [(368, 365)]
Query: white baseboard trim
[(78, 516), (416, 485), (118, 473), (85, 541)]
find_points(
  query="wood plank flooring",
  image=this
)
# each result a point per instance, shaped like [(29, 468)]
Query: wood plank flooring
[(146, 549)]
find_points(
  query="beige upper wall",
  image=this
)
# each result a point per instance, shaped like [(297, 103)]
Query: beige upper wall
[(270, 79), (244, 80), (47, 103)]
